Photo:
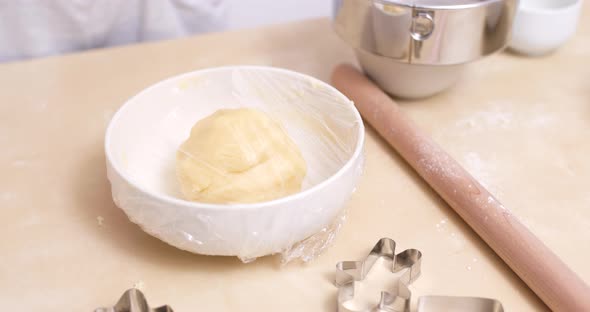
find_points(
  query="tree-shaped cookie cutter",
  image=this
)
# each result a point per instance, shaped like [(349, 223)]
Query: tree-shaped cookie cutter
[(133, 300), (350, 272)]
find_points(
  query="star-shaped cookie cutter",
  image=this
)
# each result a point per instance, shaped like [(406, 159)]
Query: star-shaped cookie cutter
[(350, 272), (133, 300)]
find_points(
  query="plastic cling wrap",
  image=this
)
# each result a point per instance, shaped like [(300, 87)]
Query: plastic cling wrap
[(143, 140), (239, 156)]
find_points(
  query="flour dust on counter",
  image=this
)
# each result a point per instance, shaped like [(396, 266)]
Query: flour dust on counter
[(100, 221), (482, 170), (139, 285), (7, 196), (498, 120)]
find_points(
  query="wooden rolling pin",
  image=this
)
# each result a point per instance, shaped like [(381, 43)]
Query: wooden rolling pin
[(556, 284)]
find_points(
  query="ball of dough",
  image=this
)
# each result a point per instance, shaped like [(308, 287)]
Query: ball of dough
[(239, 156)]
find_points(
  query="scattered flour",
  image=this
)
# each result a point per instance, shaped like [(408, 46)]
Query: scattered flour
[(139, 285), (27, 160), (487, 119), (540, 120), (457, 245), (19, 163), (478, 168), (39, 107), (499, 117), (100, 220), (441, 226), (6, 196)]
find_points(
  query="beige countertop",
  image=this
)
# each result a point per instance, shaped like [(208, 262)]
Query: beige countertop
[(520, 125)]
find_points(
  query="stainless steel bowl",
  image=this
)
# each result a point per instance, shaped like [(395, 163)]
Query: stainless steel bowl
[(423, 44)]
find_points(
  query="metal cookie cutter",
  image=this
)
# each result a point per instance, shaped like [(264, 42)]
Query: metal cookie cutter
[(133, 300), (350, 272), (458, 304)]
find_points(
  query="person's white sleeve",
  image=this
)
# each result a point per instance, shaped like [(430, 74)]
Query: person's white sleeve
[(33, 28)]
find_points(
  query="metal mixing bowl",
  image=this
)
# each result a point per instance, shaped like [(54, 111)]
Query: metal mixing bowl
[(418, 48)]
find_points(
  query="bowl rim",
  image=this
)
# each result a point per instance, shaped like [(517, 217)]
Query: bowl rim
[(238, 206), (540, 10)]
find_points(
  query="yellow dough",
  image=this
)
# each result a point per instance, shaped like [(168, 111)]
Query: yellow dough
[(239, 156)]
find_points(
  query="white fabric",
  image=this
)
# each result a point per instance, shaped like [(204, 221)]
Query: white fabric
[(33, 28)]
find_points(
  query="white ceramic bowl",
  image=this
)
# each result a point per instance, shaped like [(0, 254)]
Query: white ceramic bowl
[(408, 81), (542, 26), (143, 136)]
